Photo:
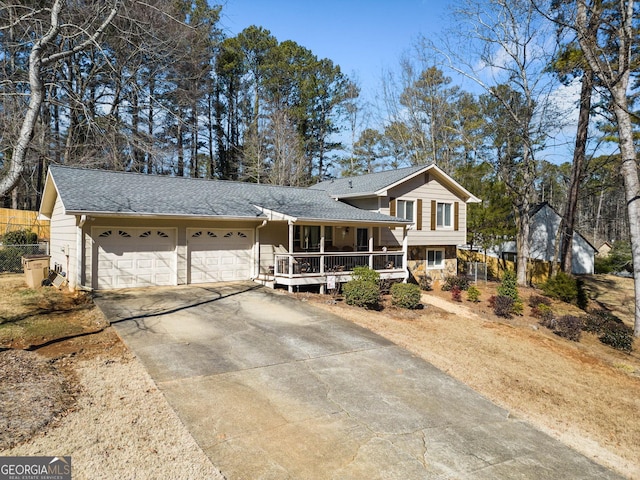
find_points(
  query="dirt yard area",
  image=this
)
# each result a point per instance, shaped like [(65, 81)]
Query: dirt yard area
[(586, 394), (88, 397), (70, 387)]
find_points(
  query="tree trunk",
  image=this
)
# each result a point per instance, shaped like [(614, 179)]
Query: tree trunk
[(577, 172), (36, 61), (629, 171), (18, 158)]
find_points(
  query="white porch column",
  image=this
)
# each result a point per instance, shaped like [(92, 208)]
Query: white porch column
[(405, 254), (370, 247), (290, 255), (322, 231)]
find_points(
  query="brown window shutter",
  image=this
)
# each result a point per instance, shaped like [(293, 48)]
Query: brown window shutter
[(419, 215), (434, 207), (456, 214), (392, 207)]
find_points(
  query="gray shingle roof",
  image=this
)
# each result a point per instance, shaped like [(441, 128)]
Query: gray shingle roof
[(108, 192), (365, 184)]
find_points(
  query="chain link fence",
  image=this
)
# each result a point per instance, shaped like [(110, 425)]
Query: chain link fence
[(11, 255), (476, 271)]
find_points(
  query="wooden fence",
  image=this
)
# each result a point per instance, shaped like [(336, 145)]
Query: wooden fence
[(11, 220), (537, 271)]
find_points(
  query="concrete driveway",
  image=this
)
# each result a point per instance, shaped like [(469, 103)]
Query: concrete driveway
[(272, 388)]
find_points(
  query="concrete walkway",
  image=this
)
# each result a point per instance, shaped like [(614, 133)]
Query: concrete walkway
[(272, 388)]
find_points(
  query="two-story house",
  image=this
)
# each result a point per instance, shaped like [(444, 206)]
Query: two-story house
[(433, 202), (116, 230)]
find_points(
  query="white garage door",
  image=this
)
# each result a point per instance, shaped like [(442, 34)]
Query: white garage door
[(135, 257), (217, 255)]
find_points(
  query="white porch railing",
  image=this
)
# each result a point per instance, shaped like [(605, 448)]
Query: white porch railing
[(316, 264)]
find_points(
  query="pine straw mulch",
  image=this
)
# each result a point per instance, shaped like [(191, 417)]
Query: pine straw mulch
[(33, 393)]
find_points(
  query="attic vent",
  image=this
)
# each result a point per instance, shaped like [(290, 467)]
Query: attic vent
[(196, 235), (105, 234), (211, 235), (123, 234), (162, 234), (145, 234)]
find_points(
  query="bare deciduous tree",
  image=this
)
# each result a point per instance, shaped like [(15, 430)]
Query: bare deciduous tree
[(56, 41)]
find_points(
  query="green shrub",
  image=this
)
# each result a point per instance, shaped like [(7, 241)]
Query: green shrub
[(473, 294), (425, 282), (562, 287), (405, 295), (569, 327), (503, 306), (537, 300), (509, 286), (456, 293), (602, 265), (365, 274), (617, 335), (595, 321), (362, 293), (461, 281), (544, 314), (20, 237)]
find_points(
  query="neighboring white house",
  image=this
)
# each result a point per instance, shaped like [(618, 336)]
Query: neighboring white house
[(545, 222), (116, 230)]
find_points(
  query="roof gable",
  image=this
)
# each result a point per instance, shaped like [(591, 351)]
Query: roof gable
[(378, 184), (545, 208), (101, 192)]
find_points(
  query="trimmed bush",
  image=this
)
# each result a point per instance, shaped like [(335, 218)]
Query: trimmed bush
[(20, 237), (596, 320), (365, 274), (456, 294), (611, 330), (569, 327), (405, 295), (618, 336), (536, 300), (362, 293), (460, 281), (503, 306), (425, 282), (545, 316), (473, 294), (562, 287)]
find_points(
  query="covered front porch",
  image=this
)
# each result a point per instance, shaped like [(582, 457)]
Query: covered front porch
[(327, 254)]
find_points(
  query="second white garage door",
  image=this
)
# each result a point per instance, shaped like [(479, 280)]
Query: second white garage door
[(219, 255)]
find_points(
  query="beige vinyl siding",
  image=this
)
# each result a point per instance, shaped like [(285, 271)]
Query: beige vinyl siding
[(272, 235), (63, 240), (424, 194)]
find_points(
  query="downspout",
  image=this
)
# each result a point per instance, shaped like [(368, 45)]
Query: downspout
[(256, 269), (77, 281)]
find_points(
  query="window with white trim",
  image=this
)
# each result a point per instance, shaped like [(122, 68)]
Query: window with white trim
[(404, 209), (435, 258), (444, 215)]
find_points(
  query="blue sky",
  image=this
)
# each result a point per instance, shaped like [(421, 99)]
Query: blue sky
[(365, 38), (362, 37)]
